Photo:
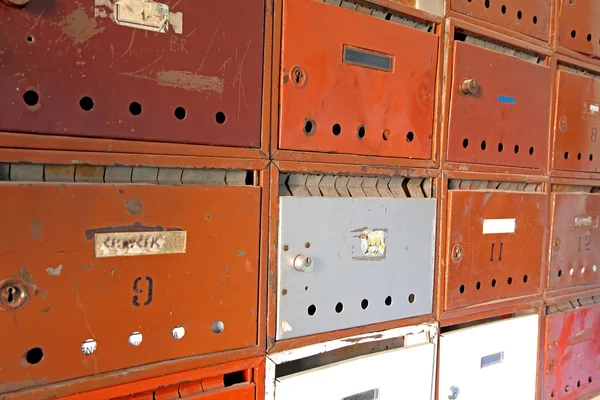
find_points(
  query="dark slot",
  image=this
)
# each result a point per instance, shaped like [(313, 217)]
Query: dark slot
[(234, 378), (367, 59)]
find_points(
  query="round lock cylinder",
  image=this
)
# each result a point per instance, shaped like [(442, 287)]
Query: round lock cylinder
[(303, 263), (469, 87)]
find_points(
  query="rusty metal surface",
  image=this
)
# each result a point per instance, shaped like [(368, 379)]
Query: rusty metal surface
[(83, 75), (578, 27), (211, 290), (571, 360), (487, 267), (506, 122), (529, 17), (575, 242), (331, 106), (577, 123)]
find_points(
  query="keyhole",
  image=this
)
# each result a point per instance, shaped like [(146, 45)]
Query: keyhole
[(11, 293), (298, 76)]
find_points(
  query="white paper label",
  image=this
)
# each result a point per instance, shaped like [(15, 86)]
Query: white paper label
[(124, 244), (491, 226)]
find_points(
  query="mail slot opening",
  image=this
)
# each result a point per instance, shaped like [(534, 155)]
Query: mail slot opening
[(452, 328)]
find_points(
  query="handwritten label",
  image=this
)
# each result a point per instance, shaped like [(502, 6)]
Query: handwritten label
[(125, 244), (584, 222)]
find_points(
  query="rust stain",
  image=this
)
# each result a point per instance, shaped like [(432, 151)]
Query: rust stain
[(35, 229), (134, 206), (79, 27)]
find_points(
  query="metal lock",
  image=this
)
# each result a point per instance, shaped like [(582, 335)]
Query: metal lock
[(303, 263), (469, 86), (454, 392), (13, 294)]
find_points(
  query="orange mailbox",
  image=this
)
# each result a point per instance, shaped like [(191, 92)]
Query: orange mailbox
[(578, 27), (357, 81), (101, 276)]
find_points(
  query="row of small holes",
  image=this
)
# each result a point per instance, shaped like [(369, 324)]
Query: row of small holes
[(31, 98), (364, 304), (589, 36), (500, 147), (567, 387), (566, 155), (336, 129), (572, 271), (478, 285), (503, 9)]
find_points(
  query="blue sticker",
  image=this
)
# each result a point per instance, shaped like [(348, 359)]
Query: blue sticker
[(507, 99)]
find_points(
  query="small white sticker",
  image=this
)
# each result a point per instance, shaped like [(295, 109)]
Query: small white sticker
[(141, 14), (89, 347), (583, 222), (492, 226), (178, 332), (594, 108), (135, 339)]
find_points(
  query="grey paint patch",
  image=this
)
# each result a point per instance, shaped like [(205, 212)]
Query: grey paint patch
[(241, 253), (54, 271), (79, 27), (134, 206), (35, 229)]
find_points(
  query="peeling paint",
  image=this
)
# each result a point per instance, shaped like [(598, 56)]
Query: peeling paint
[(35, 229), (134, 206), (241, 253), (79, 27), (184, 80), (24, 273), (54, 271)]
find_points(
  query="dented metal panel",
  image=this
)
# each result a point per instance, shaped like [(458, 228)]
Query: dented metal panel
[(578, 27), (408, 373), (505, 121), (575, 240), (571, 361), (529, 17), (348, 262), (495, 246), (83, 314), (340, 79), (476, 362), (577, 124), (70, 69)]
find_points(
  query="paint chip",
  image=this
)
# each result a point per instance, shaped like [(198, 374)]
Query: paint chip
[(54, 271)]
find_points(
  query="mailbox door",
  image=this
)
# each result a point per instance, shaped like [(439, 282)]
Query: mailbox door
[(70, 69), (340, 78), (577, 123), (528, 17), (486, 361), (578, 27), (575, 241), (128, 274), (495, 246), (371, 260), (506, 121), (571, 360), (393, 374)]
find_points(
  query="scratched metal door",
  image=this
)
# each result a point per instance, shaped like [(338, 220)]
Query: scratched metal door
[(67, 68), (97, 277)]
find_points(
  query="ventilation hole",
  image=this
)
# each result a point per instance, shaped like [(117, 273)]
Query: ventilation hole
[(531, 151), (388, 301), (509, 280), (309, 127), (220, 117), (218, 327), (135, 108), (503, 9), (578, 383), (478, 286), (589, 37), (180, 113), (591, 157), (364, 304), (519, 14), (410, 137), (579, 156), (573, 33), (86, 103), (566, 155), (465, 143), (34, 355), (336, 129), (386, 135), (361, 131), (312, 309), (411, 298), (339, 307), (462, 289), (525, 279), (590, 379), (30, 39), (493, 283), (483, 145), (567, 388), (559, 273), (31, 98), (487, 3), (516, 148), (534, 20), (553, 393), (500, 147)]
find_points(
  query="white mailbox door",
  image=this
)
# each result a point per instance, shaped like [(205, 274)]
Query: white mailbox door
[(492, 361), (405, 373)]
